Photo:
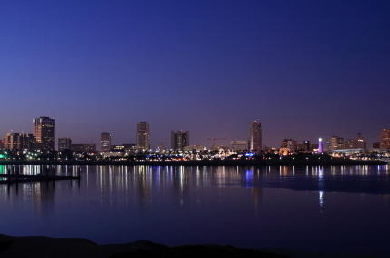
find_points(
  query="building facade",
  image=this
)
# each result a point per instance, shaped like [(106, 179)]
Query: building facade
[(306, 146), (239, 145), (359, 142), (105, 141), (19, 141), (385, 139), (44, 133), (321, 145), (64, 144), (256, 136), (180, 139), (290, 144), (143, 136), (336, 143), (83, 147)]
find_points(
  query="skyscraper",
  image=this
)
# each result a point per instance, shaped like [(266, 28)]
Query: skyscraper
[(290, 144), (44, 133), (143, 136), (105, 141), (359, 142), (385, 139), (180, 139), (307, 146), (64, 144), (256, 136), (336, 143)]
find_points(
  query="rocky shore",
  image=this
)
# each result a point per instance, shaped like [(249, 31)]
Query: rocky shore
[(42, 247), (45, 247)]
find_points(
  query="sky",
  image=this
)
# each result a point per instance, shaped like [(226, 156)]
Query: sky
[(304, 68)]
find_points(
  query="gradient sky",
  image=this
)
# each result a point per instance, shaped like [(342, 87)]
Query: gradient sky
[(304, 68)]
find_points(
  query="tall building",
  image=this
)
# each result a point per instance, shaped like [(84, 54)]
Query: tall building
[(359, 142), (385, 139), (290, 144), (143, 135), (105, 141), (19, 141), (256, 136), (336, 143), (180, 139), (64, 144), (44, 132), (307, 146)]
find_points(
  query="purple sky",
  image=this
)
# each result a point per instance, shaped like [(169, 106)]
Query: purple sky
[(304, 68)]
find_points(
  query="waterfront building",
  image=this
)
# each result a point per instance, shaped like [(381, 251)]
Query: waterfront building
[(123, 147), (306, 146), (64, 144), (385, 139), (105, 141), (336, 143), (239, 145), (44, 133), (180, 139), (376, 146), (359, 142), (195, 147), (256, 136), (19, 141), (284, 151), (143, 136), (321, 145), (83, 147), (289, 144)]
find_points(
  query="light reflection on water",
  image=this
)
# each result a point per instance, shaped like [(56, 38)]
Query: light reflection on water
[(243, 206)]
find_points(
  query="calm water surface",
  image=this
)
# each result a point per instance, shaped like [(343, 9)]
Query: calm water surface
[(302, 208)]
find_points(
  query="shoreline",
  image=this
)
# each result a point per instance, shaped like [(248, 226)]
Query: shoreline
[(41, 246), (255, 163)]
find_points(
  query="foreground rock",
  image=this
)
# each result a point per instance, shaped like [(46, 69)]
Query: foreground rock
[(43, 247)]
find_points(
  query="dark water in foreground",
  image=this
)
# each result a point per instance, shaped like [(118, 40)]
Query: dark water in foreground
[(300, 208)]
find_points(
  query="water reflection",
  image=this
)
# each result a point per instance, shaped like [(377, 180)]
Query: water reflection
[(181, 205), (181, 182), (123, 184)]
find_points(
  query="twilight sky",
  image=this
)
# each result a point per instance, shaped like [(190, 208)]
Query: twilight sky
[(304, 68)]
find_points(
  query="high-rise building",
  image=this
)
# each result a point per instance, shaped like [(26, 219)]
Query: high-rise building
[(105, 141), (64, 144), (385, 139), (336, 143), (290, 144), (180, 139), (143, 136), (307, 146), (44, 132), (359, 142), (256, 136), (19, 141)]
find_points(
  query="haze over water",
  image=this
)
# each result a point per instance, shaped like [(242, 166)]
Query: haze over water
[(298, 208)]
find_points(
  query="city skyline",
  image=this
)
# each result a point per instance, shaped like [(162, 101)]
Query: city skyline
[(44, 138), (306, 70), (226, 128)]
